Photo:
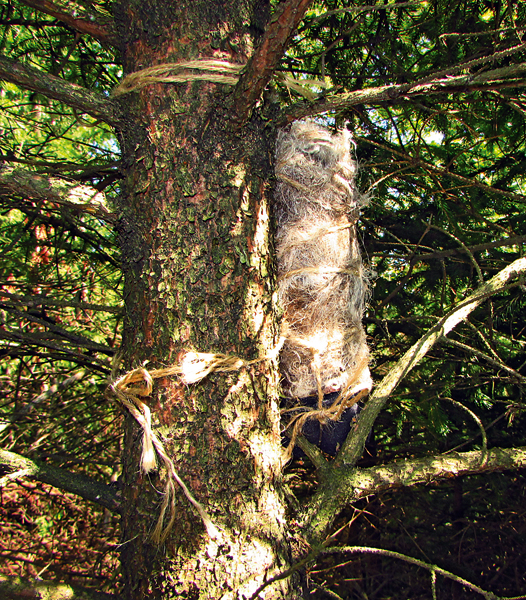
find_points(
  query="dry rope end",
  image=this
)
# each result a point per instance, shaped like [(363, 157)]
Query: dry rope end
[(160, 533), (212, 531), (148, 457), (364, 383)]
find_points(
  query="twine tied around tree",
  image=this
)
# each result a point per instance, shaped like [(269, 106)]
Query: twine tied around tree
[(130, 397), (134, 386), (202, 69)]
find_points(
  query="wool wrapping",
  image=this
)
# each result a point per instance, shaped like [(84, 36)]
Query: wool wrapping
[(322, 282)]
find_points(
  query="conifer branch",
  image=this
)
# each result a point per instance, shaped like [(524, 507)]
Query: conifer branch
[(78, 197), (415, 161), (95, 29), (510, 241), (47, 302), (55, 331), (23, 343), (82, 486), (71, 94), (485, 81), (267, 55), (35, 402), (347, 484)]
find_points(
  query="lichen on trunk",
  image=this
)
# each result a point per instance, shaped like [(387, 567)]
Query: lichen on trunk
[(199, 277)]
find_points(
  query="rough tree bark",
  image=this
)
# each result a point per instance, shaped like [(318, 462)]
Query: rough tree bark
[(194, 232)]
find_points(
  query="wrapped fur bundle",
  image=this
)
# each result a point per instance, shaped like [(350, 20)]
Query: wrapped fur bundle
[(322, 283)]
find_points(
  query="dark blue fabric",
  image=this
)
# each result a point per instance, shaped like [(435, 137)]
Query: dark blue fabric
[(330, 437)]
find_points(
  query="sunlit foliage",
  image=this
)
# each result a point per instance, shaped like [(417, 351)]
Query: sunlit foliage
[(445, 175)]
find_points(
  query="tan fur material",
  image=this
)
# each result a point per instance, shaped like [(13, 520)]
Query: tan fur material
[(322, 284)]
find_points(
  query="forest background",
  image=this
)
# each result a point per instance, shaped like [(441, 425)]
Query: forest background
[(433, 93)]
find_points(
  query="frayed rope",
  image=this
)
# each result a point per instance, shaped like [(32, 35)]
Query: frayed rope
[(194, 367), (137, 384), (215, 71), (322, 283)]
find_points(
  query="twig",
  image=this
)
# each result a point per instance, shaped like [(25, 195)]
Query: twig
[(464, 247), (90, 27), (484, 449), (496, 363), (372, 7), (37, 301), (54, 389), (469, 182), (511, 241), (420, 563)]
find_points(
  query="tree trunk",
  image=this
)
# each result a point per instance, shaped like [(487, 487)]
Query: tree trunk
[(199, 276)]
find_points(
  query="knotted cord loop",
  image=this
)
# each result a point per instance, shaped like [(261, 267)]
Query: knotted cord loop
[(131, 388)]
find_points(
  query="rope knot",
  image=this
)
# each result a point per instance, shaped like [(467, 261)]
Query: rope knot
[(134, 386)]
